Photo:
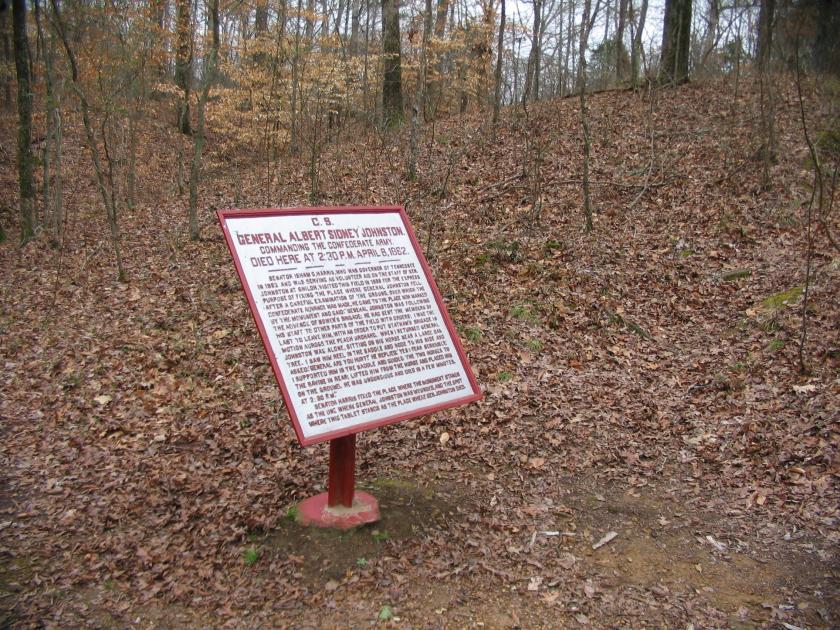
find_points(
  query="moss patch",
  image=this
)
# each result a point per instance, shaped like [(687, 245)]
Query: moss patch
[(736, 274), (780, 300)]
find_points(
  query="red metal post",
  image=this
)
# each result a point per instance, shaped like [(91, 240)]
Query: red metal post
[(342, 479), (341, 506)]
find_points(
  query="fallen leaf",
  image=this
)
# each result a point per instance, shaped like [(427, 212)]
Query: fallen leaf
[(550, 597), (567, 560)]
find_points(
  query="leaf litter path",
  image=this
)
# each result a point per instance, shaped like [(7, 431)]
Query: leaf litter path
[(630, 388)]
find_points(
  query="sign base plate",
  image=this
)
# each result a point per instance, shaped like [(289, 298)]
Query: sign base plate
[(316, 512)]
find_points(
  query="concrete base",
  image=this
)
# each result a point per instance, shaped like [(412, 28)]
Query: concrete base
[(315, 512)]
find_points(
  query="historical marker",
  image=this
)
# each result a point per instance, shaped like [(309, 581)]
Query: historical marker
[(354, 328)]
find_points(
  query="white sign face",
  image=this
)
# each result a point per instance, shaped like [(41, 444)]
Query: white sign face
[(350, 316)]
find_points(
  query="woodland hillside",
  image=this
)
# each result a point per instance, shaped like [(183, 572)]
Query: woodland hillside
[(642, 378), (659, 436)]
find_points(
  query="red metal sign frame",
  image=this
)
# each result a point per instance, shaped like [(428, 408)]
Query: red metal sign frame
[(224, 215)]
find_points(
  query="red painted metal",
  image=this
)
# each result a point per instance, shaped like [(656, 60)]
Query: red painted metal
[(314, 512), (342, 479), (341, 506)]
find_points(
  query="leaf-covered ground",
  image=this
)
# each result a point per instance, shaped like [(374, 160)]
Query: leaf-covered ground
[(642, 391)]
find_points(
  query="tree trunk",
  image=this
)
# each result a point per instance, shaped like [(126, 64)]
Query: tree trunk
[(158, 13), (53, 176), (53, 195), (538, 57), (766, 18), (58, 181), (26, 184), (5, 62), (440, 18), (183, 63), (209, 76), (392, 100), (309, 33), (567, 58), (584, 116), (46, 52), (294, 135), (767, 94), (710, 39), (420, 94), (500, 49), (157, 17), (558, 52), (517, 43), (620, 50), (532, 70), (463, 95), (433, 85), (676, 38), (339, 18), (261, 18), (355, 23), (636, 51), (131, 175), (826, 48)]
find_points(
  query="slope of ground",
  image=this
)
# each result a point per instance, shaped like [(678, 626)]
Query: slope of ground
[(633, 385)]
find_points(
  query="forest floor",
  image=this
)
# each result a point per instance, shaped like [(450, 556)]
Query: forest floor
[(641, 381)]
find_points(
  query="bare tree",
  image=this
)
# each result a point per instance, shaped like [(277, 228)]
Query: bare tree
[(500, 49), (51, 160), (6, 50), (25, 160), (433, 85), (183, 63), (818, 195), (260, 17), (826, 45), (636, 48), (106, 187), (676, 39), (157, 19), (767, 92), (620, 50), (309, 33), (532, 69), (210, 63), (712, 35), (420, 93), (586, 24), (392, 99), (355, 24)]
